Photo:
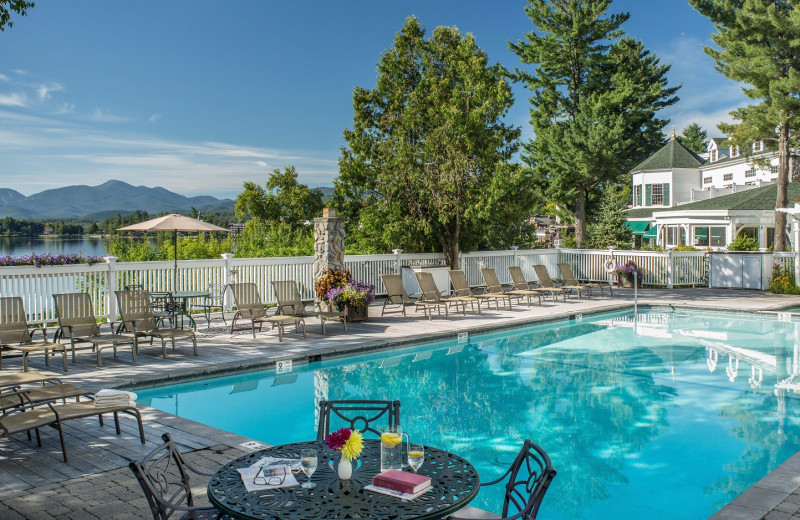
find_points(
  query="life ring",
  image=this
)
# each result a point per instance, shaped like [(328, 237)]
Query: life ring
[(609, 266)]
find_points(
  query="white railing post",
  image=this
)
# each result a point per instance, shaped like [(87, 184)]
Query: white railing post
[(229, 276), (397, 253), (669, 269), (111, 285)]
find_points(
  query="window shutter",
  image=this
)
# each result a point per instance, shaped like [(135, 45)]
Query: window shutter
[(666, 195), (648, 194)]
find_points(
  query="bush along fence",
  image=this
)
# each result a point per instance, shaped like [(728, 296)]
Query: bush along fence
[(36, 285)]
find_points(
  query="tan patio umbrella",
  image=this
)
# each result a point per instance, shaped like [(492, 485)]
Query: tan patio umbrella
[(175, 223)]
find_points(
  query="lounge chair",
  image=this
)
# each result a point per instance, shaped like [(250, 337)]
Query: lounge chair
[(396, 295), (430, 293), (138, 318), (250, 307), (77, 322), (290, 303), (461, 288), (547, 283), (566, 272), (494, 286), (15, 336), (24, 418)]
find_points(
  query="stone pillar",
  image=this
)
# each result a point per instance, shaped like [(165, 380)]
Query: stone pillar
[(328, 243)]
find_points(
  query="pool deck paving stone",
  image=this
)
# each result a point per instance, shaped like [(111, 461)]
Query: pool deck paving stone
[(36, 483)]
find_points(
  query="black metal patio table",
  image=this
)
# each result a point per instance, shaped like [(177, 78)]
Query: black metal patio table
[(180, 306), (455, 482)]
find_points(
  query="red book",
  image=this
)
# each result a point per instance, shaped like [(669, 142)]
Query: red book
[(402, 481)]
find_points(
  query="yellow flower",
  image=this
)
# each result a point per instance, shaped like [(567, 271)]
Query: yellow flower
[(352, 448)]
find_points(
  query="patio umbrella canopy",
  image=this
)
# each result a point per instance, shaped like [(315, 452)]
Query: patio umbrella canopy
[(175, 223)]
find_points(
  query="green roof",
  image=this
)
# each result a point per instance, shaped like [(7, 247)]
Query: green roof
[(639, 213), (671, 155), (762, 198), (637, 227)]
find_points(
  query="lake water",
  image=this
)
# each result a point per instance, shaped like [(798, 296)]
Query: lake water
[(21, 246)]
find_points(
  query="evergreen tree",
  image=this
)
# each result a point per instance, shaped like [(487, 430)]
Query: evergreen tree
[(610, 228), (425, 167), (694, 138), (594, 102), (757, 44)]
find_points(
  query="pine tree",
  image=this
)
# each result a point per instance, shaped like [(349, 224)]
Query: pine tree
[(610, 228), (694, 138), (595, 95), (425, 166), (757, 44)]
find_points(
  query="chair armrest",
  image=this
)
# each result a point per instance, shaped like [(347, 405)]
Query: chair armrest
[(33, 330)]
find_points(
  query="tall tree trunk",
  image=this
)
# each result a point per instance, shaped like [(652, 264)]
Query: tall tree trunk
[(783, 185), (451, 248), (580, 217)]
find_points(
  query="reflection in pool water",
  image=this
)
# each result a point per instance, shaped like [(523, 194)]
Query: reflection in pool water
[(670, 416)]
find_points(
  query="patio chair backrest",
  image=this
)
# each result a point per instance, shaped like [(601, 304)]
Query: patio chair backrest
[(357, 414), (395, 291), (136, 311), (164, 480), (566, 272), (543, 276), (248, 300), (76, 312), (528, 479), (290, 302), (459, 282), (427, 286), (517, 278), (493, 285), (13, 321)]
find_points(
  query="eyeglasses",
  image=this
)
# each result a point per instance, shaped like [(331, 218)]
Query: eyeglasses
[(270, 476)]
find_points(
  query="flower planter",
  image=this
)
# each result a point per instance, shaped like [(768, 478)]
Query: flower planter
[(359, 313), (626, 280)]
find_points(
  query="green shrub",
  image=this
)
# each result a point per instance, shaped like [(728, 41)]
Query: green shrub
[(782, 281), (685, 248), (743, 243)]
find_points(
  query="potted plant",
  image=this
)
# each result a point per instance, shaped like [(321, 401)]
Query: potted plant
[(337, 290), (626, 272)]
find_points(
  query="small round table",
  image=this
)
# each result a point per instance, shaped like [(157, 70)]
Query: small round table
[(455, 482)]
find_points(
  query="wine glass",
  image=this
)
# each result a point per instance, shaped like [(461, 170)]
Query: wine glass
[(308, 463), (416, 454)]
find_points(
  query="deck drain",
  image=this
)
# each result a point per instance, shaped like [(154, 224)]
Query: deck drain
[(253, 445)]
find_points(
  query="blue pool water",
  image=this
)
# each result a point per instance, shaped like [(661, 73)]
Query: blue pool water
[(671, 415)]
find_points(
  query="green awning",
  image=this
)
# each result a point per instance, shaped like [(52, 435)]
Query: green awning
[(651, 233), (637, 227)]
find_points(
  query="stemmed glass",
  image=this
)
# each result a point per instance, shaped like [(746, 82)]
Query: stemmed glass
[(416, 454), (308, 463)]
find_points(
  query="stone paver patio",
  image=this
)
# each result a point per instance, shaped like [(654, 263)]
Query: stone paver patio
[(36, 483)]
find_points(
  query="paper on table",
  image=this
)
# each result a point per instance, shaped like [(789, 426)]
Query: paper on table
[(249, 474), (398, 494), (294, 464)]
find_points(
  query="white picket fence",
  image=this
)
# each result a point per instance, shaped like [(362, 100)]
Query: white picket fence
[(36, 285)]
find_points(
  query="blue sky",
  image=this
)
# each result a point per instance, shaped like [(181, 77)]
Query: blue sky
[(199, 96)]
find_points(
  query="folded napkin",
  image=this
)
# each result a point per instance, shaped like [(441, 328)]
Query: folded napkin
[(249, 474), (108, 397)]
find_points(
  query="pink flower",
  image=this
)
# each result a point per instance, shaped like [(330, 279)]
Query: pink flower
[(337, 439)]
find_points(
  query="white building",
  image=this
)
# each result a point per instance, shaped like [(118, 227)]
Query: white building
[(680, 197)]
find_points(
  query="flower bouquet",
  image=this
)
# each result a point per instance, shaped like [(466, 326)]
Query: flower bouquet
[(627, 271), (349, 443)]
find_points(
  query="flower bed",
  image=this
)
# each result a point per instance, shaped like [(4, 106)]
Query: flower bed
[(48, 259)]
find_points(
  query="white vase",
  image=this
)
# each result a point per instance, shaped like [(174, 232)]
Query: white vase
[(345, 469)]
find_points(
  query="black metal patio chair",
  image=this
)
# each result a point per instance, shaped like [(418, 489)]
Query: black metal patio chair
[(526, 482), (357, 414), (163, 475)]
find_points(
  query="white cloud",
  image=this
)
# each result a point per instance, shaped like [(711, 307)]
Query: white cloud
[(20, 72), (65, 108), (14, 99), (104, 116), (44, 90), (262, 164), (3, 77), (155, 117)]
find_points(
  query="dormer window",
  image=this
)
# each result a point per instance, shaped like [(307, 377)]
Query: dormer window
[(714, 155), (758, 146), (734, 151)]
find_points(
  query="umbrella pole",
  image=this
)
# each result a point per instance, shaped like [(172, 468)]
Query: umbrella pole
[(175, 251)]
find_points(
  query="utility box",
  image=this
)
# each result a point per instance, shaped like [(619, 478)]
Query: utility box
[(440, 277)]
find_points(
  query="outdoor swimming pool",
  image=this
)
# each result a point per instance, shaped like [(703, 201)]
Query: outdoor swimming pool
[(671, 415)]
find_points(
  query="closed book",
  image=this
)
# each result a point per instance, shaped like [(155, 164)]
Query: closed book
[(401, 481)]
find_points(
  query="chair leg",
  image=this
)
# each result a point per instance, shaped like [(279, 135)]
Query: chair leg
[(64, 359), (116, 422)]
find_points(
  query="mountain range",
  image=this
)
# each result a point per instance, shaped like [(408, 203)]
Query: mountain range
[(102, 201)]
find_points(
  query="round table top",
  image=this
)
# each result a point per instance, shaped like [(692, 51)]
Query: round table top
[(455, 482), (190, 294)]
